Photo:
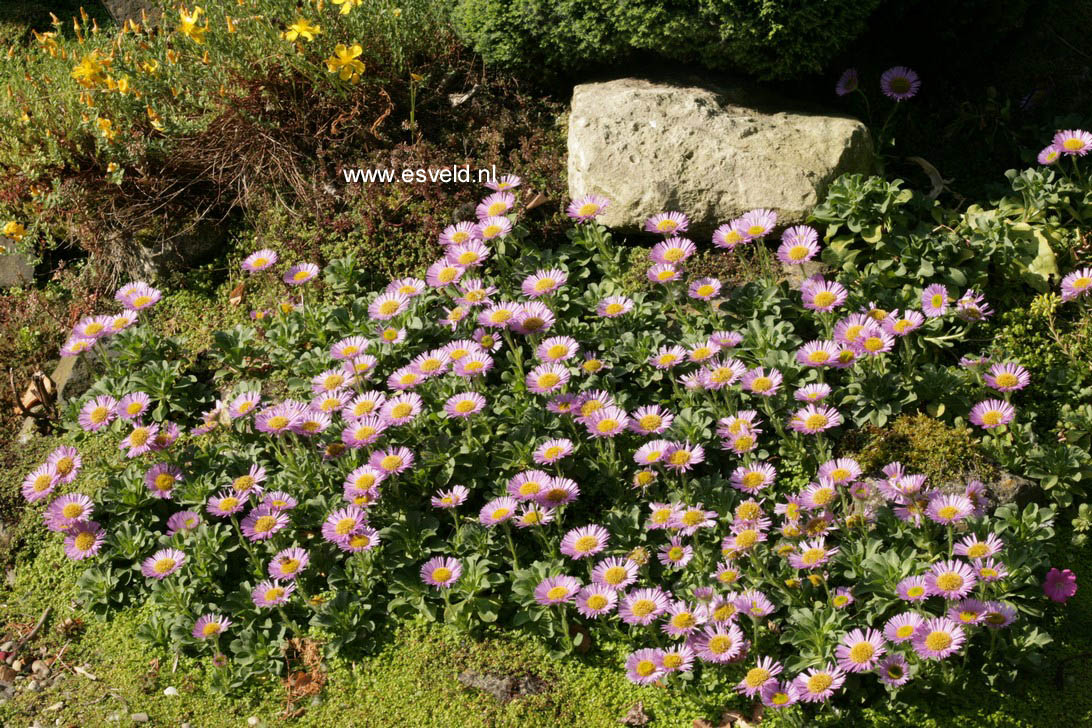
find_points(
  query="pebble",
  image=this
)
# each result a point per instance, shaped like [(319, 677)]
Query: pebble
[(33, 686), (39, 666), (185, 725), (17, 666), (171, 691), (253, 720), (6, 647), (139, 717), (55, 707)]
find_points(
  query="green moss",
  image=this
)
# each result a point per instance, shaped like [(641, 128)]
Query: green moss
[(924, 445)]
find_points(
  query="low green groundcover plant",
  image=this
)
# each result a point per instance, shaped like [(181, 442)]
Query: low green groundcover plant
[(515, 440)]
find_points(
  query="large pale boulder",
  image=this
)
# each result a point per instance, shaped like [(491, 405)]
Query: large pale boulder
[(711, 152)]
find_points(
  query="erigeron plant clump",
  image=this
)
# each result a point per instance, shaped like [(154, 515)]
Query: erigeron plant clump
[(515, 440)]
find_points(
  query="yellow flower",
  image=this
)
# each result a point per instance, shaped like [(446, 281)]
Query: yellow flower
[(344, 62), (91, 70), (416, 77), (112, 167), (14, 230), (153, 118), (47, 41), (301, 29), (172, 57), (188, 25), (347, 5), (150, 67), (123, 85), (396, 12), (230, 24), (106, 128)]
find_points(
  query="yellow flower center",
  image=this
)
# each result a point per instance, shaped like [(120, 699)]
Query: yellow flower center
[(819, 682), (904, 631), (947, 512), (645, 668), (141, 301), (344, 526), (614, 308), (556, 593), (529, 488), (402, 409), (756, 677), (761, 384), (549, 379), (748, 511), (544, 284), (667, 359), (557, 351), (724, 612), (164, 482), (915, 591), (798, 253), (938, 641), (993, 417), (813, 556), (949, 581), (1072, 144), (585, 543), (643, 607), (756, 229), (615, 575), (1007, 379), (824, 299), (441, 574), (72, 510), (390, 462), (464, 406), (490, 231), (289, 565), (607, 424), (467, 257), (359, 540), (746, 538), (675, 553), (1082, 283), (720, 644), (862, 652), (553, 452), (501, 513), (162, 566), (727, 576), (84, 541), (99, 414), (744, 442), (815, 421), (301, 275), (278, 422), (818, 356), (665, 226), (683, 620), (265, 524), (587, 209), (650, 422), (274, 594), (873, 343), (597, 601), (211, 629), (705, 290)]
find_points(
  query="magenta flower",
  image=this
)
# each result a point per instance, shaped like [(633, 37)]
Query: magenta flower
[(548, 377), (607, 422), (552, 451), (343, 523), (161, 479), (464, 405), (615, 573), (209, 626), (441, 572), (580, 543), (263, 522), (498, 511), (992, 413), (812, 419), (823, 295), (950, 579), (934, 300), (643, 606), (586, 208), (614, 306), (271, 594), (894, 670), (98, 413), (1073, 141), (938, 638), (719, 643), (758, 223), (498, 203), (663, 273), (460, 232), (162, 563), (667, 223), (643, 666), (1059, 586), (900, 83), (40, 482), (778, 695), (759, 676), (859, 650), (83, 540), (496, 226), (259, 260), (1078, 283), (1049, 155), (595, 600), (288, 563), (818, 684), (139, 296), (731, 234), (506, 182), (544, 282), (799, 244), (392, 460), (560, 491), (183, 521), (467, 255), (848, 82), (300, 273), (556, 590)]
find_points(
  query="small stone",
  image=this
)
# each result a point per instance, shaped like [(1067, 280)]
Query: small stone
[(170, 691), (39, 667), (114, 717), (184, 725), (55, 707), (33, 686), (6, 647), (139, 717), (253, 721), (17, 666)]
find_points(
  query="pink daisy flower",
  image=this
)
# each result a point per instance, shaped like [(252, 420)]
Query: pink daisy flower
[(441, 572), (586, 208), (259, 260), (162, 563)]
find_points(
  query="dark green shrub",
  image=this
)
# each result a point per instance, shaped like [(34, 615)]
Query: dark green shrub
[(769, 39)]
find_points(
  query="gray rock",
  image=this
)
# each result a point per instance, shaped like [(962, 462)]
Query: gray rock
[(503, 687), (123, 10), (710, 151), (139, 717), (38, 667), (6, 647), (33, 686), (15, 268)]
